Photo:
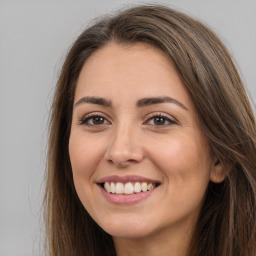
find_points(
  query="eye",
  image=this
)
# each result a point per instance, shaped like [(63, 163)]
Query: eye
[(160, 120), (93, 120)]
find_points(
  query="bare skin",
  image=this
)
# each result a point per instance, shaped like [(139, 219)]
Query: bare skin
[(133, 121)]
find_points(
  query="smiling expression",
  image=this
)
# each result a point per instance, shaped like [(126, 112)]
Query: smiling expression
[(140, 162)]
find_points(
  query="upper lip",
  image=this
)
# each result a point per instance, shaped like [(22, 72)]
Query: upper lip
[(127, 178)]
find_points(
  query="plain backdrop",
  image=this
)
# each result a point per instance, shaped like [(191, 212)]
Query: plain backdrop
[(34, 38)]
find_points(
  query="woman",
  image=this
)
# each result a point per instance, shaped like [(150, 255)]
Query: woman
[(152, 145)]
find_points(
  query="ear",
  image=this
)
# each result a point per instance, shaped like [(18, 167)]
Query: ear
[(219, 170)]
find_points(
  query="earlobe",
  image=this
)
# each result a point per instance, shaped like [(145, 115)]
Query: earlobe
[(220, 171)]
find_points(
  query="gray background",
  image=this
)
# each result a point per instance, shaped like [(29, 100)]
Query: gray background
[(34, 37)]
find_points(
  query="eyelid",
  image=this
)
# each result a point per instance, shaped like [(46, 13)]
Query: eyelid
[(81, 120), (161, 114), (173, 120)]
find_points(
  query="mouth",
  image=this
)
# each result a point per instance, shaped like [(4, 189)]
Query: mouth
[(127, 185), (128, 188)]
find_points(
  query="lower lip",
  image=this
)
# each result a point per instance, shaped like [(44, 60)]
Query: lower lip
[(126, 199)]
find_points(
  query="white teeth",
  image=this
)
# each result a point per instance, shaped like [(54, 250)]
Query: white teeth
[(119, 188), (107, 187), (128, 188), (137, 187), (144, 186), (150, 186), (113, 187)]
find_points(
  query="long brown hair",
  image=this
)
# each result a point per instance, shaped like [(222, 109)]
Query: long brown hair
[(227, 223)]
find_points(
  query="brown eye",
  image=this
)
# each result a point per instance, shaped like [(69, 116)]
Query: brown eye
[(98, 120), (160, 120), (94, 120)]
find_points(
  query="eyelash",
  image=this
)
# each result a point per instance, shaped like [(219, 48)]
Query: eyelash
[(164, 117), (85, 120)]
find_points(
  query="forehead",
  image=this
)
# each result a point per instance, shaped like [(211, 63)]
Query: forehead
[(137, 70)]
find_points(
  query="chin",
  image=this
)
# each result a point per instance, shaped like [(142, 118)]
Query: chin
[(128, 233), (130, 229)]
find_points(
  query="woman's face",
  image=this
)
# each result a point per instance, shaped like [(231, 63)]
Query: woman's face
[(140, 162)]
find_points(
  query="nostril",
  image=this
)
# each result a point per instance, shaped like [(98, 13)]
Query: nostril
[(120, 164), (123, 152), (122, 161)]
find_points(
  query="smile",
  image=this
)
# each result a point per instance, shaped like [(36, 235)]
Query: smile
[(128, 188)]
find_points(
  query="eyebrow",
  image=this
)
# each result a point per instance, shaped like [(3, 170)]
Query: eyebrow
[(157, 100), (140, 103), (94, 100)]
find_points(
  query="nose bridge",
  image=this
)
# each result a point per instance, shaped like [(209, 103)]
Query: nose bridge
[(124, 146)]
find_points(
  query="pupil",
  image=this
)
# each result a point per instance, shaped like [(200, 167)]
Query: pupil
[(159, 120), (98, 120)]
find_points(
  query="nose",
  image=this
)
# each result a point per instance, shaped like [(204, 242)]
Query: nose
[(124, 147)]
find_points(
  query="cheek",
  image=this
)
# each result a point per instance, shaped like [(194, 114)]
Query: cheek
[(85, 154), (184, 162), (186, 168), (173, 154)]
